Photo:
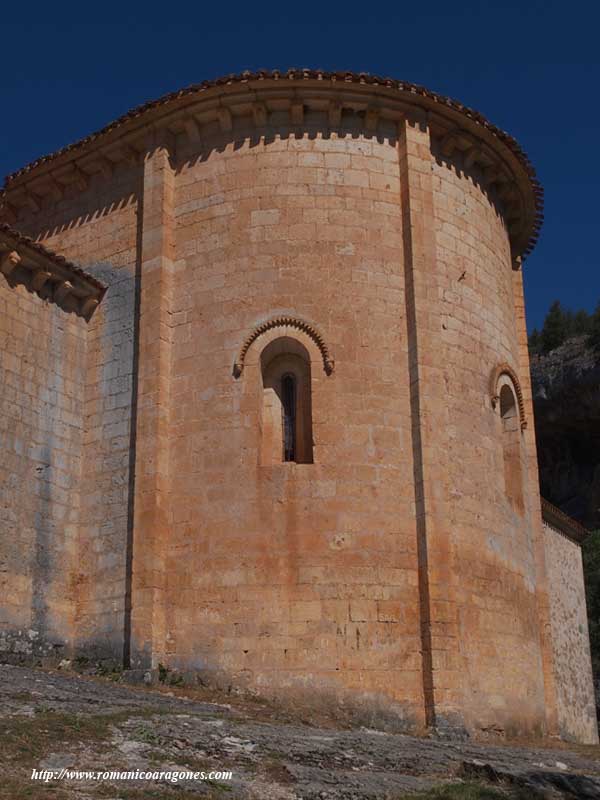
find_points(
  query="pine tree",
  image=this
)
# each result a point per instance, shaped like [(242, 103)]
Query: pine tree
[(534, 341), (582, 323), (594, 339), (555, 328)]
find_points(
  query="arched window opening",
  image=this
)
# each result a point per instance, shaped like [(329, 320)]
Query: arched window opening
[(288, 403), (286, 418), (511, 447)]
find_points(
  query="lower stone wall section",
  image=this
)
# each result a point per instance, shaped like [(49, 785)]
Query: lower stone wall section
[(42, 369), (570, 639)]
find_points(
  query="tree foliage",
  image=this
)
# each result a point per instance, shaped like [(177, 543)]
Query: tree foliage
[(561, 324), (595, 329), (591, 570), (554, 332)]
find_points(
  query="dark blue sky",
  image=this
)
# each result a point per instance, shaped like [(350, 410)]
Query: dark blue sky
[(531, 67)]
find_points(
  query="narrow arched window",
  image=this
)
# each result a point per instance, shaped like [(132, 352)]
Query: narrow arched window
[(286, 418), (288, 404), (511, 447)]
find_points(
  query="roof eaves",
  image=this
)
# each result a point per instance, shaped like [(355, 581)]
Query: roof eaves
[(309, 74), (562, 522), (20, 239), (65, 278)]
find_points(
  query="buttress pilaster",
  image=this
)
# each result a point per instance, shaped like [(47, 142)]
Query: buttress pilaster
[(151, 501), (442, 673)]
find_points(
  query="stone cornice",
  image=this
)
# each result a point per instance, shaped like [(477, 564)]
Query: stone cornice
[(24, 261), (566, 525), (261, 98)]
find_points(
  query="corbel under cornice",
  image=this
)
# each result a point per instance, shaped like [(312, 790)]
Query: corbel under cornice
[(24, 261), (241, 102)]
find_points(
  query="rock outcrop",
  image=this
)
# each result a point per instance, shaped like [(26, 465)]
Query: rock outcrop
[(65, 727), (566, 393)]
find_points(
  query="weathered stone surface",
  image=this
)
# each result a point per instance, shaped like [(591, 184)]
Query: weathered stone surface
[(576, 703), (394, 566)]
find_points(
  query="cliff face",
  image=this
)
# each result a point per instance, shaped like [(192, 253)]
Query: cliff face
[(566, 393)]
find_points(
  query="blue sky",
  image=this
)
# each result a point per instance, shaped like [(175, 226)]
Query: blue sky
[(533, 68)]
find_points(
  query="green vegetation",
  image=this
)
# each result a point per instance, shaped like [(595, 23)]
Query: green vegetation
[(595, 330), (13, 787), (27, 740), (561, 324), (165, 675)]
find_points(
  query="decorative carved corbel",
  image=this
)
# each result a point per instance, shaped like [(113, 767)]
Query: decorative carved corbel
[(491, 174), (82, 180), (8, 261), (448, 144), (334, 113), (62, 290), (297, 113), (56, 190), (39, 278), (471, 157), (506, 190), (106, 167), (260, 114), (225, 119), (192, 129), (88, 306), (371, 119), (127, 153)]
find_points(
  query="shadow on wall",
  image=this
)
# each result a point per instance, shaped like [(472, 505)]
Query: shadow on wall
[(51, 516), (105, 561), (456, 163), (42, 559), (105, 196), (106, 487), (214, 140), (101, 199)]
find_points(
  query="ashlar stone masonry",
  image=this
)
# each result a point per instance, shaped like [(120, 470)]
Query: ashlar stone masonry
[(268, 418)]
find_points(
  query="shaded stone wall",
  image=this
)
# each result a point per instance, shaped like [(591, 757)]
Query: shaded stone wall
[(96, 227), (490, 585), (570, 639), (42, 375)]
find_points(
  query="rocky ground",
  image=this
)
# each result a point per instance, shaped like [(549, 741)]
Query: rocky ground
[(51, 720)]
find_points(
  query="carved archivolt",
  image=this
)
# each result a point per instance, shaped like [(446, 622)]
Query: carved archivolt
[(285, 322), (497, 373)]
